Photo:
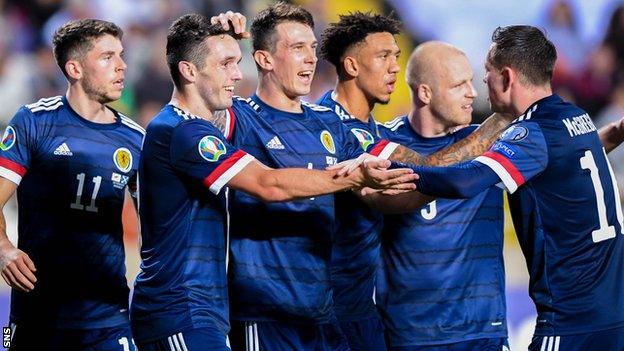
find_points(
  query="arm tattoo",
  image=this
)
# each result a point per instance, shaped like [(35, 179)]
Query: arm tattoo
[(468, 148), (219, 119)]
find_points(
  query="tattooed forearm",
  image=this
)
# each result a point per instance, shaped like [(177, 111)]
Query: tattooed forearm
[(468, 148), (219, 119), (406, 155), (473, 145)]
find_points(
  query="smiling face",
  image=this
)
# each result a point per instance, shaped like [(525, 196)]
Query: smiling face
[(220, 72), (377, 66), (103, 69), (294, 58), (453, 92)]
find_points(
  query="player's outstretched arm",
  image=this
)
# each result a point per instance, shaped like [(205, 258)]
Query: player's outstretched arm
[(17, 268), (395, 204), (612, 135), (468, 148), (295, 183)]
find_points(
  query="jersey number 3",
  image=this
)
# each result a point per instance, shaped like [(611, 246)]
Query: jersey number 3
[(76, 205), (605, 231)]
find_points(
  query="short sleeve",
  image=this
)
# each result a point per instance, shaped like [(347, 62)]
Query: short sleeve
[(201, 152), (518, 155), (17, 146)]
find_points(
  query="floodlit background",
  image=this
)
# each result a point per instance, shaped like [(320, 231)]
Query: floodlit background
[(589, 36)]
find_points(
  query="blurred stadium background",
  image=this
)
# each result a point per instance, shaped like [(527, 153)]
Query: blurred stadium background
[(589, 36)]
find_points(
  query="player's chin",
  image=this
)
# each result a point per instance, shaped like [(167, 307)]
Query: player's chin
[(111, 97), (303, 90), (382, 99)]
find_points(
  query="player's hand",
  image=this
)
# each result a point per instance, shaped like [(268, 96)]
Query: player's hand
[(376, 175), (17, 268), (365, 191), (237, 20), (347, 167)]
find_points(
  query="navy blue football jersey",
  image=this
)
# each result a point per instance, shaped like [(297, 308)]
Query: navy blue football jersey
[(280, 251), (567, 215), (355, 251), (442, 280), (182, 285), (71, 175)]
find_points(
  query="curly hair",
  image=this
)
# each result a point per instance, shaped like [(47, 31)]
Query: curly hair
[(352, 29), (74, 39), (264, 24)]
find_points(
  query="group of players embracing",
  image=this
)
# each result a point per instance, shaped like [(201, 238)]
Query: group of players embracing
[(271, 223)]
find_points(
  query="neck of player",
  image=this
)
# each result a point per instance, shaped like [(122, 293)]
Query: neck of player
[(270, 91), (523, 97), (426, 124), (87, 107), (191, 103), (353, 100)]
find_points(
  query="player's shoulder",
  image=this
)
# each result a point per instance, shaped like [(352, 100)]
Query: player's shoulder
[(323, 113), (43, 106), (245, 105), (327, 101), (464, 131), (551, 108), (393, 125), (132, 126), (315, 107)]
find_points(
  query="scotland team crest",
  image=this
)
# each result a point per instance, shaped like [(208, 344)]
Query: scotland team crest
[(123, 159), (365, 138), (211, 148), (8, 139), (328, 142)]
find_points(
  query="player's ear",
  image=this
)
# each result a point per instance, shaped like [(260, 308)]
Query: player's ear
[(264, 59), (74, 70), (350, 66), (424, 93), (509, 77), (188, 71)]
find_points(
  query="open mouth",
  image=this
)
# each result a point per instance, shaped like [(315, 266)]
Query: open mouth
[(306, 75), (229, 89)]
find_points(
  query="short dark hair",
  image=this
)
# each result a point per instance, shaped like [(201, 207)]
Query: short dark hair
[(264, 24), (185, 41), (525, 49), (74, 39), (352, 29)]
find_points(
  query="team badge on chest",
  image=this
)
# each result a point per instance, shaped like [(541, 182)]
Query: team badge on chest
[(123, 159), (328, 142)]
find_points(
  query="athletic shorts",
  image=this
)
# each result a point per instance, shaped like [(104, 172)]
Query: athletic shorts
[(612, 339), (365, 334), (34, 338), (276, 336), (199, 339), (488, 344)]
